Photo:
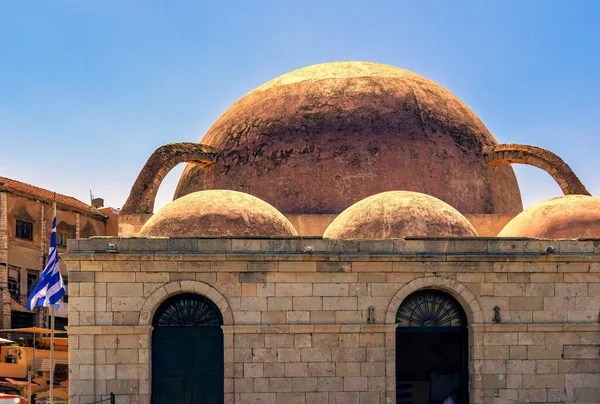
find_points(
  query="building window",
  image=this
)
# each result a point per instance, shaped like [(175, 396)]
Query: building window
[(61, 372), (32, 279), (60, 323), (21, 320), (14, 281), (61, 238), (24, 230)]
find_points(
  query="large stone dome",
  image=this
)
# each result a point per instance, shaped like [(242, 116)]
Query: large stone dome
[(568, 216), (217, 213), (399, 214), (320, 138)]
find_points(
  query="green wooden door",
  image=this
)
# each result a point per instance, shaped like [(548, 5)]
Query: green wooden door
[(187, 353)]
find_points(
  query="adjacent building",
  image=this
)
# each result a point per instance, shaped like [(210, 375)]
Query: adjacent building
[(25, 226)]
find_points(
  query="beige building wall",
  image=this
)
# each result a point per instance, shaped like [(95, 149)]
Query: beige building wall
[(112, 222), (296, 328), (130, 224)]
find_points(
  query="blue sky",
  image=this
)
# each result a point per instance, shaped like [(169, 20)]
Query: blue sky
[(89, 89)]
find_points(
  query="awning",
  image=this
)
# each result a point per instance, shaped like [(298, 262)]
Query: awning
[(17, 382), (58, 341), (33, 330)]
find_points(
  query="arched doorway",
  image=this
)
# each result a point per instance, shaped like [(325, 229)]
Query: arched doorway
[(187, 351), (431, 349)]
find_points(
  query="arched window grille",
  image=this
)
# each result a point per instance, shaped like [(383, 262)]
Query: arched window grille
[(187, 310), (430, 308)]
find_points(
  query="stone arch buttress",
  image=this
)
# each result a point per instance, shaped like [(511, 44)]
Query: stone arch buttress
[(460, 292), (174, 288), (503, 154), (144, 190)]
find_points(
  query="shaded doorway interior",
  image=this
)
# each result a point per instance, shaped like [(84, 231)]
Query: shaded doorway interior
[(187, 352), (431, 349)]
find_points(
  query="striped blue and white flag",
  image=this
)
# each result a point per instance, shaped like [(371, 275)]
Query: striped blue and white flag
[(50, 288)]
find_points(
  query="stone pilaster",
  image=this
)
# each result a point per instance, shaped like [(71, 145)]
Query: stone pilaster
[(40, 318), (43, 238), (3, 229), (77, 225), (4, 295)]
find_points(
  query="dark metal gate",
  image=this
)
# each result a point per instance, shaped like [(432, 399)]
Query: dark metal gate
[(431, 349), (187, 352)]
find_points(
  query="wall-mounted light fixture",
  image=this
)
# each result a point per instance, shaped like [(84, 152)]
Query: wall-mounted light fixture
[(371, 315), (496, 319)]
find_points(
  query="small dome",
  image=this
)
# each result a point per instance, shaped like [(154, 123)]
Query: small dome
[(569, 216), (399, 214), (217, 213)]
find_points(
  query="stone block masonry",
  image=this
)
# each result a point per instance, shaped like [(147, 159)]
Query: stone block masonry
[(295, 325)]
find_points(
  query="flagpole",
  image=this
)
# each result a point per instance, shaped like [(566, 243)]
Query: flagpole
[(51, 391), (48, 293), (29, 386)]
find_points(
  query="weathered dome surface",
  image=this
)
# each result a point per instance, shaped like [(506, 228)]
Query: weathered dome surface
[(399, 214), (217, 213), (320, 138), (569, 216)]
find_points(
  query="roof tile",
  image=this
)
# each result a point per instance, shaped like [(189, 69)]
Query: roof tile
[(42, 193)]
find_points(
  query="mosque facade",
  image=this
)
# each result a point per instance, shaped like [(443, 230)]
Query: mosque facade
[(345, 233)]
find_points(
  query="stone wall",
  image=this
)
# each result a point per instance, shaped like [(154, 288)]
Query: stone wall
[(537, 363), (486, 225), (296, 327)]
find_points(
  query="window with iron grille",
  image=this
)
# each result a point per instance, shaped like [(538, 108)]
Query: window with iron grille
[(24, 230), (61, 238), (32, 279), (14, 281)]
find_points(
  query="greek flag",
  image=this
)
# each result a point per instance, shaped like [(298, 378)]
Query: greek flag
[(50, 288)]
